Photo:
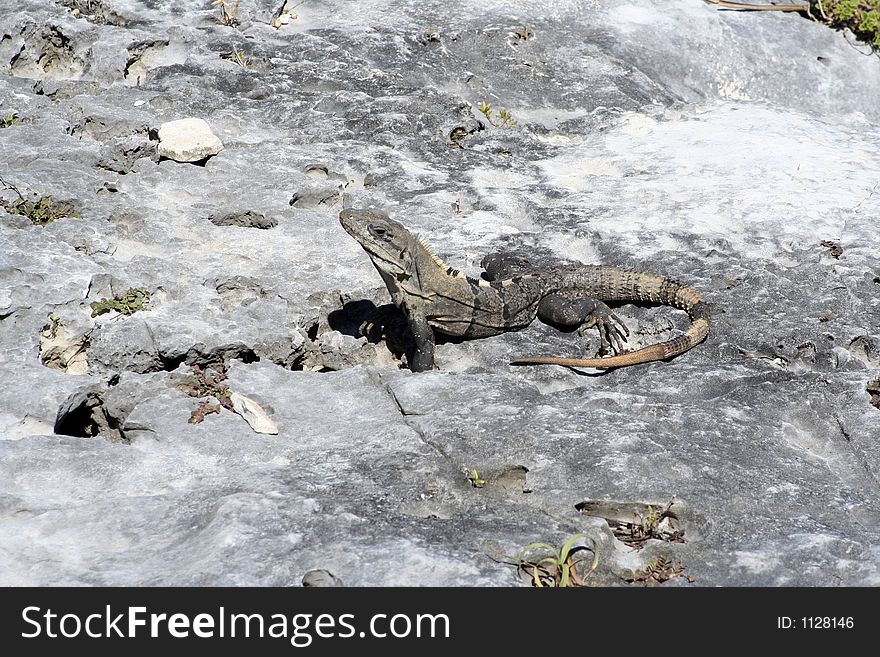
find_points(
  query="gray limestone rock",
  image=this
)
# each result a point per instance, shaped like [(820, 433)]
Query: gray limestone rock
[(734, 151), (245, 219), (320, 578)]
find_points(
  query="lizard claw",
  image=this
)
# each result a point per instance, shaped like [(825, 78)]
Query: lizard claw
[(379, 322), (612, 331)]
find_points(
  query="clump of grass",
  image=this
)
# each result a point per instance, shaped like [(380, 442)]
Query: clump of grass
[(228, 12), (860, 16), (476, 480), (659, 569), (204, 408), (524, 33), (9, 120), (239, 57), (502, 119), (42, 211), (133, 300), (657, 523), (208, 384), (547, 566)]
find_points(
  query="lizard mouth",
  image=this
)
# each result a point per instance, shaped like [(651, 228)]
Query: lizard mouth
[(357, 224), (383, 261)]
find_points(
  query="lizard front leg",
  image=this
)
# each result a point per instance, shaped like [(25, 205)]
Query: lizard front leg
[(499, 266), (423, 336), (562, 310)]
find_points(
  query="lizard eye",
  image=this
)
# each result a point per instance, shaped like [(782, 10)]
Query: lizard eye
[(380, 232)]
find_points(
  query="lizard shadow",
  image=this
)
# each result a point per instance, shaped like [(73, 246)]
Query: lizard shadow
[(387, 323), (570, 368)]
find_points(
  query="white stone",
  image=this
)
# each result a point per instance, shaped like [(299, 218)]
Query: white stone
[(253, 414), (188, 140)]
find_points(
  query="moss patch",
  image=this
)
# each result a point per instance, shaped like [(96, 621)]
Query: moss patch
[(129, 303), (860, 16), (41, 211)]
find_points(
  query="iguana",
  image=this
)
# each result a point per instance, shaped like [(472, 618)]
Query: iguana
[(440, 299)]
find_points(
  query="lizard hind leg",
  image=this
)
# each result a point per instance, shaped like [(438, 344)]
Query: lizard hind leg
[(571, 312)]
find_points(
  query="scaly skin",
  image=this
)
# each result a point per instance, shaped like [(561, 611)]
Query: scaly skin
[(628, 285), (438, 299)]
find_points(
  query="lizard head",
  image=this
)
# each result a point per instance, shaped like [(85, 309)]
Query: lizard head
[(387, 242), (396, 253)]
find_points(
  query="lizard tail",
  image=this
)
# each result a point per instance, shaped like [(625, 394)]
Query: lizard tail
[(656, 289)]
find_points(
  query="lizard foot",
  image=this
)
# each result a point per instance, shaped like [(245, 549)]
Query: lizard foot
[(389, 324), (383, 320), (612, 331)]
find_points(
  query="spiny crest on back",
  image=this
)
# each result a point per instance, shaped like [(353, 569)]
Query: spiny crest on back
[(437, 261)]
